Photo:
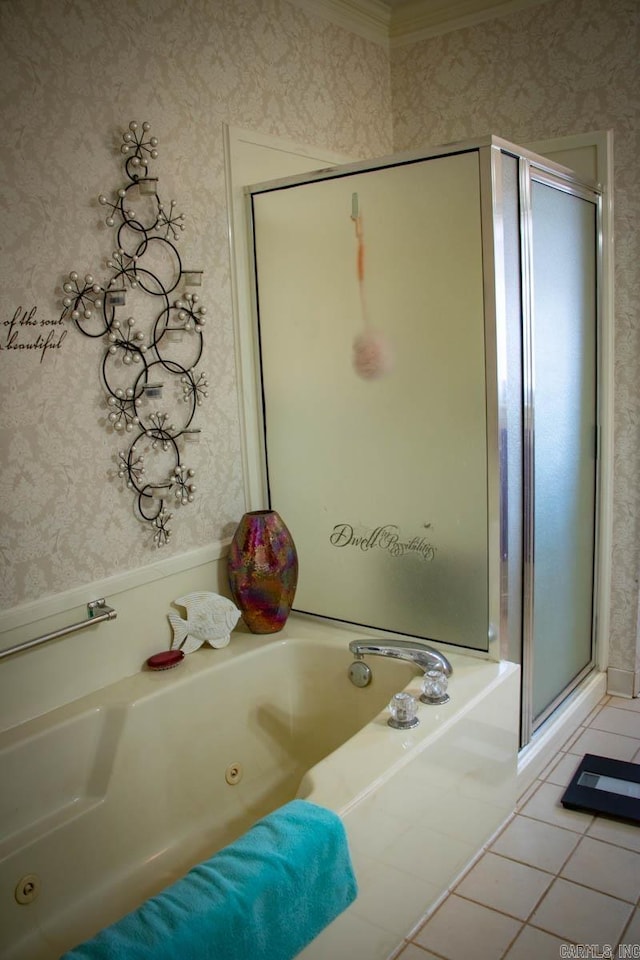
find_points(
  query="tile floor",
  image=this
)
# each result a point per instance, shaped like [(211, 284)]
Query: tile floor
[(553, 877)]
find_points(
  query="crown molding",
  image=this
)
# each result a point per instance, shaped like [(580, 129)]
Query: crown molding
[(368, 18), (401, 22), (418, 20)]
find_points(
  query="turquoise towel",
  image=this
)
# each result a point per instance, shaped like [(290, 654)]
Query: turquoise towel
[(264, 897)]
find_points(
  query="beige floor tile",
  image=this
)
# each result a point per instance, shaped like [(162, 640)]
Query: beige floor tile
[(572, 739), (460, 930), (631, 936), (563, 769), (413, 952), (622, 703), (575, 913), (545, 805), (505, 885), (605, 744), (544, 775), (594, 713), (533, 944), (606, 868), (528, 793), (613, 720), (625, 835), (536, 843)]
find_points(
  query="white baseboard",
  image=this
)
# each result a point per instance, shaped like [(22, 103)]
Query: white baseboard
[(623, 683)]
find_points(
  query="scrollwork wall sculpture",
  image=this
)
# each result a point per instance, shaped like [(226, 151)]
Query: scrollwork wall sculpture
[(152, 353)]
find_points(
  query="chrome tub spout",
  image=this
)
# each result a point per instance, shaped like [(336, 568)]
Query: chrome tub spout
[(421, 654)]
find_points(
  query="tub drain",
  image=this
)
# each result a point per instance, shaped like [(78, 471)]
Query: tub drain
[(27, 888), (233, 773)]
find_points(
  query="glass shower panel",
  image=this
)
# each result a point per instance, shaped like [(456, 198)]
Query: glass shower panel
[(564, 465), (382, 483)]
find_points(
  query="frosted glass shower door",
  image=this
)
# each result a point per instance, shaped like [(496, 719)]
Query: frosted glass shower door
[(382, 483), (563, 368)]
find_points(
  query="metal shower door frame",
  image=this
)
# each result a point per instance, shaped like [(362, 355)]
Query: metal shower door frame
[(530, 172)]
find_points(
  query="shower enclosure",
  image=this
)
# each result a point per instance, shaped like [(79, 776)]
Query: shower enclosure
[(455, 498)]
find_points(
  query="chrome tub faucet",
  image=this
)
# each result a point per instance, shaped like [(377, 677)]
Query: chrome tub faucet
[(424, 656)]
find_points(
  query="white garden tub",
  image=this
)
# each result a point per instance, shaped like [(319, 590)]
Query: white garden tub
[(107, 800)]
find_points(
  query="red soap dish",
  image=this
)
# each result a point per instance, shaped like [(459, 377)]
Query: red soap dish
[(165, 660)]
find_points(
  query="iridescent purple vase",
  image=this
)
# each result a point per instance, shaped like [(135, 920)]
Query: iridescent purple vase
[(263, 570)]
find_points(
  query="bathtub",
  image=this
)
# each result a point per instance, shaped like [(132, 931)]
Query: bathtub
[(109, 799)]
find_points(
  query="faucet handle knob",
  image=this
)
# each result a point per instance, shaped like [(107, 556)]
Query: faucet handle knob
[(403, 709), (434, 686)]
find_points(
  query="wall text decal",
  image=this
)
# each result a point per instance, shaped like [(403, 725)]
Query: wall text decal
[(29, 335), (385, 537)]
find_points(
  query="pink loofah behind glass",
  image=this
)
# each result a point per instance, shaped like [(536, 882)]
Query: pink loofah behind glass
[(372, 352), (372, 356)]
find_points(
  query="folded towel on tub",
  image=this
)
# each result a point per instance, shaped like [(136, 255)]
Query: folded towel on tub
[(264, 897)]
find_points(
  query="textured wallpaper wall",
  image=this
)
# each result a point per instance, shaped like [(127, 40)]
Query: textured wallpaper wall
[(566, 66), (73, 73)]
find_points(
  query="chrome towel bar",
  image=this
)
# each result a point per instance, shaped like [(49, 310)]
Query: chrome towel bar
[(97, 611)]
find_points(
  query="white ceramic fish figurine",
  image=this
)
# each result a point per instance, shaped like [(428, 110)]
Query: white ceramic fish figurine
[(210, 619)]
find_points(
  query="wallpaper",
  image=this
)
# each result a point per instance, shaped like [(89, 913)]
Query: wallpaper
[(73, 74), (564, 67)]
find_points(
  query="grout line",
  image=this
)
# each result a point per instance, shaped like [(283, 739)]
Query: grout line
[(523, 920), (581, 833), (399, 950), (624, 933), (573, 739), (486, 906), (550, 767), (587, 886), (513, 940), (599, 707), (612, 843), (610, 733), (428, 950), (553, 933), (528, 794), (534, 866), (503, 913)]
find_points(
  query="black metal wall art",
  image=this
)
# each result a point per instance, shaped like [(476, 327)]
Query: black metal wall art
[(151, 349)]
